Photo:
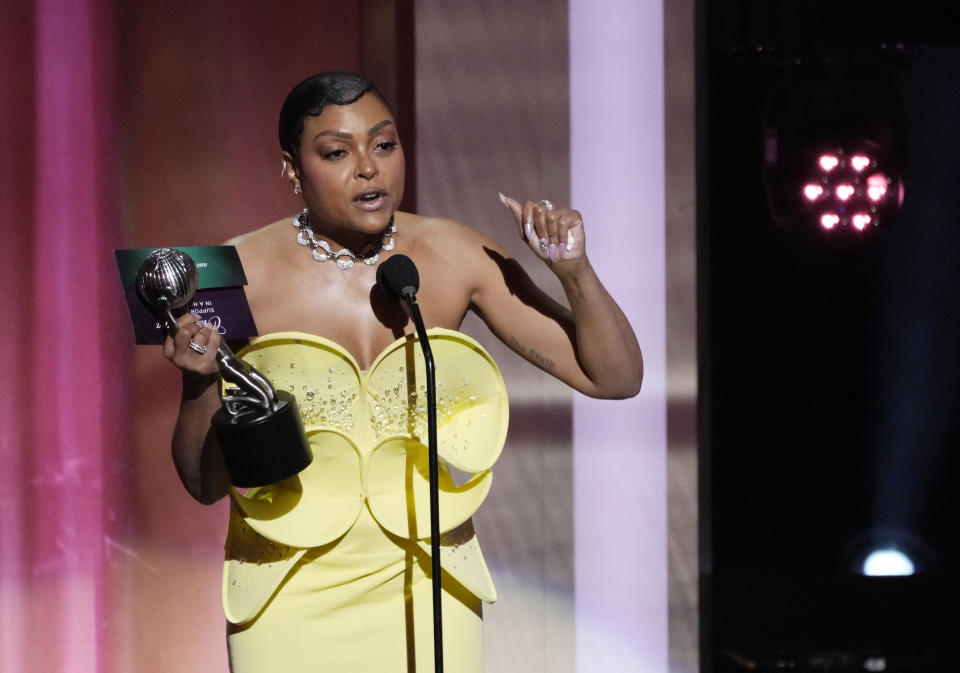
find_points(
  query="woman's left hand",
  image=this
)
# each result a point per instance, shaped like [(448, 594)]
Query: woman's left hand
[(554, 233)]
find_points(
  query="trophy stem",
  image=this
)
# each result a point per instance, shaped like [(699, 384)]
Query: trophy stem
[(236, 371)]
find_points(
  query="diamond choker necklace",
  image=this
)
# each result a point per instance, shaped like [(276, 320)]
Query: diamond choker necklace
[(369, 253)]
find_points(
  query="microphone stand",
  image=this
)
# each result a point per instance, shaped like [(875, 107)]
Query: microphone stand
[(410, 300)]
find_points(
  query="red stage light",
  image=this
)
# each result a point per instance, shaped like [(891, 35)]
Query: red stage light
[(831, 182), (876, 186), (859, 162), (844, 192), (813, 192), (829, 220), (821, 139), (828, 162)]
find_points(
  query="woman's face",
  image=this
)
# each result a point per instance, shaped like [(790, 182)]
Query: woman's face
[(351, 167)]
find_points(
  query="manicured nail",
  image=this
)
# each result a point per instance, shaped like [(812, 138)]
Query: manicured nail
[(528, 230), (503, 200), (563, 249), (552, 251)]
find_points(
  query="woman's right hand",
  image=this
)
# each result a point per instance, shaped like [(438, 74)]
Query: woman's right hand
[(179, 351)]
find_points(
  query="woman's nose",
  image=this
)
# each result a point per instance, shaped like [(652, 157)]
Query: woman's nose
[(366, 168)]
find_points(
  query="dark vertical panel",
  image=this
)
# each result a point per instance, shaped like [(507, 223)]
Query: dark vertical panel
[(829, 385)]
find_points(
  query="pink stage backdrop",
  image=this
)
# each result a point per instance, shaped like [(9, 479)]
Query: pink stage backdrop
[(64, 415)]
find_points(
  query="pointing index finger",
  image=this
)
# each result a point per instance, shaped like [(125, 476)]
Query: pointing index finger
[(517, 210)]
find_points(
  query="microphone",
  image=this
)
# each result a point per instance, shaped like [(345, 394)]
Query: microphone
[(399, 279)]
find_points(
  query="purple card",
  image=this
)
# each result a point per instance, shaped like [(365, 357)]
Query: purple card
[(226, 310)]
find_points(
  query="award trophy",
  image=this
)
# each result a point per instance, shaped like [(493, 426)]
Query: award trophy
[(259, 428)]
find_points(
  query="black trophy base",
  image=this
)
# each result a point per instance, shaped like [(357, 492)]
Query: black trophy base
[(265, 451)]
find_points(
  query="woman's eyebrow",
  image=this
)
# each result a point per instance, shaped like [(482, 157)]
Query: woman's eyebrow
[(336, 134), (377, 127), (349, 136)]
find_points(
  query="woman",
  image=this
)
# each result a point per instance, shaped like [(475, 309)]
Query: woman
[(331, 570)]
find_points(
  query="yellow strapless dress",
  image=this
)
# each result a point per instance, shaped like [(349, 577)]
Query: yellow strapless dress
[(330, 571)]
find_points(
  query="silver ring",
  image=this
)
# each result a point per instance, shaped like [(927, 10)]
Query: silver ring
[(197, 348), (543, 245), (546, 204)]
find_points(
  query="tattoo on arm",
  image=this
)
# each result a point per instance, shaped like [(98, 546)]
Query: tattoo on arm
[(532, 355)]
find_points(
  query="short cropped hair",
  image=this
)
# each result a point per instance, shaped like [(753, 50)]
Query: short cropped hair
[(312, 95)]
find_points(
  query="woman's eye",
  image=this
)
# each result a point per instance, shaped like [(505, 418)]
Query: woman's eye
[(387, 145), (334, 154)]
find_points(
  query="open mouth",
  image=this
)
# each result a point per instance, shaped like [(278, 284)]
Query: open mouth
[(370, 199)]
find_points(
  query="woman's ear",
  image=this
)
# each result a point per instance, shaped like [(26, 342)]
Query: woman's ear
[(289, 171)]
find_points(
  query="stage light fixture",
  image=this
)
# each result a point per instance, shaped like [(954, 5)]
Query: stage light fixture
[(886, 552), (833, 156), (846, 188), (888, 563)]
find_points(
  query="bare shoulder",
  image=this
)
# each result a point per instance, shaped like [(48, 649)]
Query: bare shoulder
[(263, 247), (452, 239), (264, 236), (469, 261)]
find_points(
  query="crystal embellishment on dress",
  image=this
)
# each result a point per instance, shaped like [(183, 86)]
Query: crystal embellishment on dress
[(345, 258)]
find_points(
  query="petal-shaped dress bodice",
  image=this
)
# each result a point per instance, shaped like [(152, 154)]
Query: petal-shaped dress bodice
[(368, 434)]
